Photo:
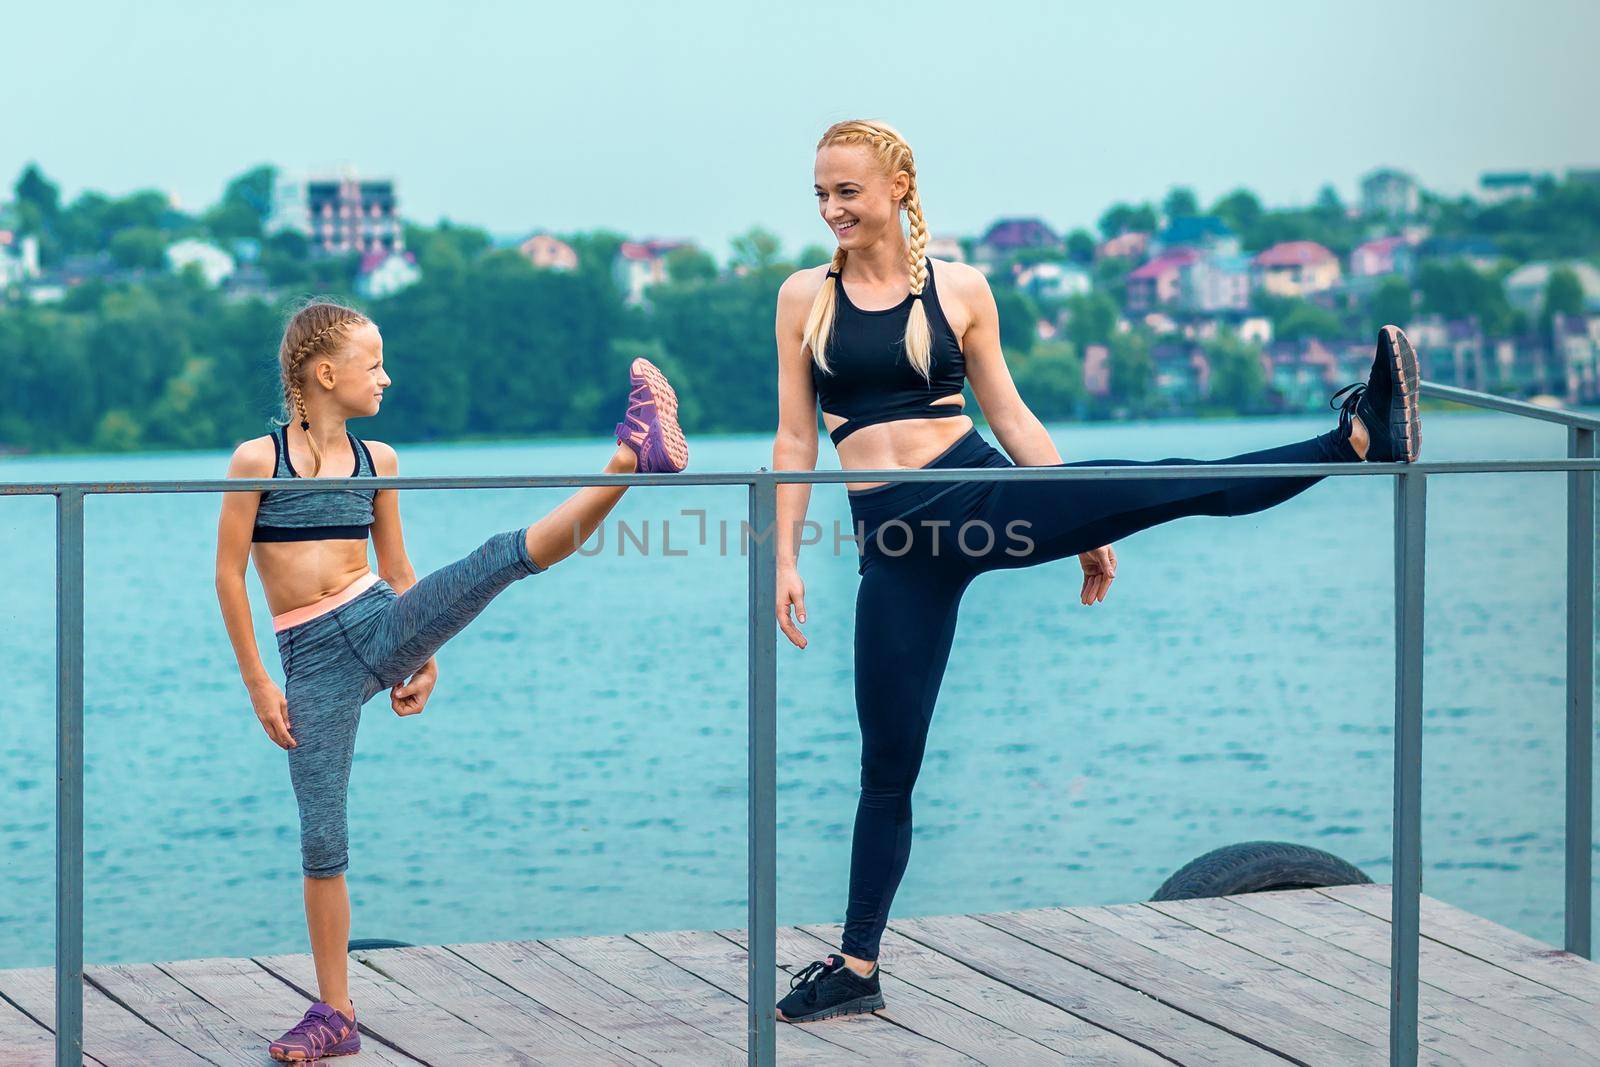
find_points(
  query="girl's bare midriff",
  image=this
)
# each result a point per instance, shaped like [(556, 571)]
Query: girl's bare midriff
[(296, 573), (904, 444)]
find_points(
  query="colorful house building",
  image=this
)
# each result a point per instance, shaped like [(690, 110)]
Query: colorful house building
[(1295, 268)]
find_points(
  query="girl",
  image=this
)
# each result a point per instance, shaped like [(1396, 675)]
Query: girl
[(883, 338), (344, 632)]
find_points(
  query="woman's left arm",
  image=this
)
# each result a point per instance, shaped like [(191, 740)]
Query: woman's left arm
[(1016, 427), (394, 567)]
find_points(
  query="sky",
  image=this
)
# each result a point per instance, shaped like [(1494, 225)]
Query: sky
[(699, 119)]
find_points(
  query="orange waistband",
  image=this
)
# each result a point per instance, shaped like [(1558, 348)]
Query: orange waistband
[(296, 616)]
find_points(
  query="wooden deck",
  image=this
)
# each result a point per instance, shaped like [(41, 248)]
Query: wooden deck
[(1299, 976)]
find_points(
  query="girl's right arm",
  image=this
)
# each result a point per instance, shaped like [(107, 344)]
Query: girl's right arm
[(795, 446), (235, 528)]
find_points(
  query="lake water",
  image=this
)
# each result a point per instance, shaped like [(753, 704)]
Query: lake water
[(581, 767)]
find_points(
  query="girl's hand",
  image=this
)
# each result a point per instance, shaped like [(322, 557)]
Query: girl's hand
[(273, 711), (791, 593), (408, 699), (1099, 567)]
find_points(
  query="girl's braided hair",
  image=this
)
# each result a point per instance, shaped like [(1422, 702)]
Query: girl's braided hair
[(317, 329)]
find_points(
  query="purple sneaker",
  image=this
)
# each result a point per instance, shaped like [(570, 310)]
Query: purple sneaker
[(325, 1031), (650, 426)]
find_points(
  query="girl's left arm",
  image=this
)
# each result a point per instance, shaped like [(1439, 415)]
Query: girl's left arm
[(394, 566), (1019, 431)]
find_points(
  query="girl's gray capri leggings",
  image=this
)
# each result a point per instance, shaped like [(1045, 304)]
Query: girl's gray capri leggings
[(336, 662)]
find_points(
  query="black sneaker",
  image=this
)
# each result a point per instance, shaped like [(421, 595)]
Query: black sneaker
[(1386, 403), (827, 988)]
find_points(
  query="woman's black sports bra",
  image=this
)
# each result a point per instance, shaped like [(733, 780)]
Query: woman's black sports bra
[(315, 514), (870, 380)]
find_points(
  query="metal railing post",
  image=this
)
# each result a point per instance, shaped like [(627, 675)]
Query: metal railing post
[(762, 936), (69, 778), (1410, 546), (1580, 693)]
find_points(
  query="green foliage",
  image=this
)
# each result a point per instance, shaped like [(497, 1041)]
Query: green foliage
[(1133, 370), (1128, 218), (1238, 382), (1458, 290), (1080, 246), (756, 249), (141, 246), (1180, 201), (1091, 319), (1391, 303), (1050, 380), (1019, 318), (1239, 209), (690, 264)]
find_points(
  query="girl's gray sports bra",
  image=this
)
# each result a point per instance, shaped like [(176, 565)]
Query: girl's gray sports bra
[(315, 515), (870, 379)]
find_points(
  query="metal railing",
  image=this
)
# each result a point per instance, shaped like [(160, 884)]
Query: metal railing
[(1410, 504)]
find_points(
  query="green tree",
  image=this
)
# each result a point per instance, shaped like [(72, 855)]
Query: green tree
[(1019, 319), (1080, 246), (1180, 202), (757, 249), (1563, 295), (1239, 209), (1091, 319), (1128, 218), (1238, 380), (140, 246), (1050, 379), (690, 263), (1303, 320), (1133, 370), (1390, 303), (35, 190), (813, 255)]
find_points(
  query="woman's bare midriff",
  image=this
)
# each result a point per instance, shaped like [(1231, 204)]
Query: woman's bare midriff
[(297, 573), (904, 444)]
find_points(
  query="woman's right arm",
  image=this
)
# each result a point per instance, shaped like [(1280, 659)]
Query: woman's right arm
[(235, 528), (795, 445)]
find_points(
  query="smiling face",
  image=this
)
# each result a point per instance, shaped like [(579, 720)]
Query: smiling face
[(858, 201), (355, 377)]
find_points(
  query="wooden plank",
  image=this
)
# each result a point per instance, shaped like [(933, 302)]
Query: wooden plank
[(1291, 1033), (1086, 994), (531, 1026), (723, 964), (111, 1034), (161, 1001), (1454, 1025), (402, 1018), (543, 974), (1300, 992), (658, 981), (1073, 1039), (23, 1041), (260, 1003), (1473, 934), (950, 1022), (1566, 1024)]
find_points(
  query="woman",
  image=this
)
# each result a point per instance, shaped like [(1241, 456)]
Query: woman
[(883, 338), (344, 632)]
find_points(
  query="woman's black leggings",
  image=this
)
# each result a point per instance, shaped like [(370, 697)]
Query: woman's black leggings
[(921, 543)]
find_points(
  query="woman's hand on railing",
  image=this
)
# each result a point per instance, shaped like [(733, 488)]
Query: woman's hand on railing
[(1099, 567), (791, 593), (273, 711)]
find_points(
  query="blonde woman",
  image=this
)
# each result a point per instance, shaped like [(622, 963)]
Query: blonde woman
[(883, 338), (345, 632)]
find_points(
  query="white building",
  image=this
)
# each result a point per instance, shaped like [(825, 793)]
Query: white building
[(1055, 280), (1497, 187), (1389, 193), (215, 264), (338, 213), (641, 264), (19, 258), (386, 273), (1525, 286)]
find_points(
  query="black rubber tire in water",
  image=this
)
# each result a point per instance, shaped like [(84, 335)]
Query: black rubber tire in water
[(1258, 867)]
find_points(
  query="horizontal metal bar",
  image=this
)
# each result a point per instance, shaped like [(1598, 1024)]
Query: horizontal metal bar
[(1152, 472), (1564, 416)]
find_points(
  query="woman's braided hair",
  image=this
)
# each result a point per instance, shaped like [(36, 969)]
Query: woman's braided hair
[(315, 330), (894, 155)]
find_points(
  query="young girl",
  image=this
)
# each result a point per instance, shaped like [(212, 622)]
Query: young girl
[(885, 351), (344, 632)]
